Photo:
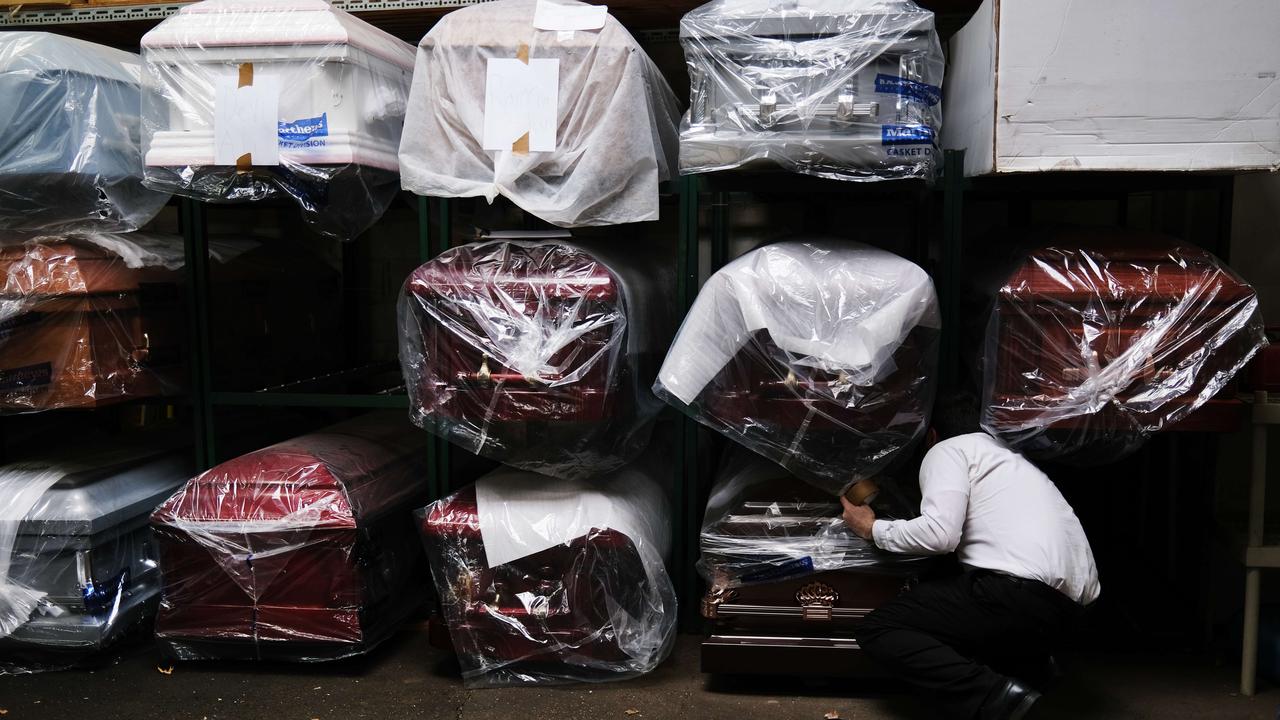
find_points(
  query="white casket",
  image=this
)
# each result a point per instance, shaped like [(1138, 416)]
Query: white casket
[(258, 98)]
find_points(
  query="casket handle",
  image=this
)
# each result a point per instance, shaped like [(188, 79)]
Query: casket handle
[(817, 600), (142, 353)]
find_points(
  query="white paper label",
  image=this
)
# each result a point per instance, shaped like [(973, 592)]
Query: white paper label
[(550, 16), (519, 99), (247, 120)]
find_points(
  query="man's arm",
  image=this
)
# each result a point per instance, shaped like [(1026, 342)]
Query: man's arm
[(944, 483)]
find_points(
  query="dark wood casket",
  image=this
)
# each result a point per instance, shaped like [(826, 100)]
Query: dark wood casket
[(596, 606), (302, 551), (533, 354), (81, 329), (1092, 346), (787, 581)]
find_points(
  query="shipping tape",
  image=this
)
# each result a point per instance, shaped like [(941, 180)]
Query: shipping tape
[(244, 163), (521, 146)]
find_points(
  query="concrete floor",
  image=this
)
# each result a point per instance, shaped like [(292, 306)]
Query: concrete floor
[(408, 679)]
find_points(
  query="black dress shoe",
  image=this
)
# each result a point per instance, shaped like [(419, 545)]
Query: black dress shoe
[(1011, 702)]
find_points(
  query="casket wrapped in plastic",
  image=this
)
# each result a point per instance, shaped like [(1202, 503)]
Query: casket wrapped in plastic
[(302, 551), (277, 98), (833, 88), (77, 564), (1098, 340), (551, 581), (536, 354), (763, 526), (551, 104), (70, 149), (819, 355), (89, 319)]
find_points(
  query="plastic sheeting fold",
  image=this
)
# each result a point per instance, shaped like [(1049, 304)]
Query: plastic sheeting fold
[(819, 355)]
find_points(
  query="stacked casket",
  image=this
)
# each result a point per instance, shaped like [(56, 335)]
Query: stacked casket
[(545, 581), (550, 104), (1097, 341), (789, 582), (77, 564), (819, 356), (88, 320), (536, 354), (301, 551), (277, 98), (70, 153), (837, 89)]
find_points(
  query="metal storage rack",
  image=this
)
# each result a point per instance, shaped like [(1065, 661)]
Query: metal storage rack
[(1258, 553), (947, 199)]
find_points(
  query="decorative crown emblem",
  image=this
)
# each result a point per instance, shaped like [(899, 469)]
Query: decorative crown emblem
[(817, 593)]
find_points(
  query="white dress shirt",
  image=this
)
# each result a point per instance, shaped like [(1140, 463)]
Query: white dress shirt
[(996, 511)]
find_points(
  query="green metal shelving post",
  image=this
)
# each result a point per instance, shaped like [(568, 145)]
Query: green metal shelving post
[(196, 251), (953, 187), (686, 490)]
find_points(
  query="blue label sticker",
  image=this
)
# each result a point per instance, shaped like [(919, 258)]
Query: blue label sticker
[(894, 85), (101, 597), (906, 135), (790, 568), (307, 132)]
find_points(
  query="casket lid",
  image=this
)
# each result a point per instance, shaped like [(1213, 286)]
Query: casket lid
[(41, 53), (521, 271), (879, 22), (508, 24), (60, 268), (274, 23), (100, 489), (339, 477), (1149, 267)]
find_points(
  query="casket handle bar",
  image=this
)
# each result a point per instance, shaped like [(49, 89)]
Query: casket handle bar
[(1148, 374), (768, 111), (730, 610), (814, 601)]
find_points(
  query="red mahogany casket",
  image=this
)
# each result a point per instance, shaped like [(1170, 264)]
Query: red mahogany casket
[(1097, 341), (548, 581), (536, 354), (304, 550)]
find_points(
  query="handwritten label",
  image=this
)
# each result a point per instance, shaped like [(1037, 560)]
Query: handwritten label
[(568, 18), (521, 99), (246, 120)]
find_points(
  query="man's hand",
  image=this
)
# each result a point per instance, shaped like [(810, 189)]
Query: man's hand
[(859, 518)]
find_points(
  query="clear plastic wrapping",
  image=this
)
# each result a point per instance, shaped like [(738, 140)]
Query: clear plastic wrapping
[(819, 355), (302, 551), (849, 90), (77, 564), (1098, 340), (536, 354), (90, 319), (70, 155), (545, 581), (763, 526), (256, 99), (599, 118)]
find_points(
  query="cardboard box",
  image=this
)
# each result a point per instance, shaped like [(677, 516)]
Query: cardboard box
[(1036, 85)]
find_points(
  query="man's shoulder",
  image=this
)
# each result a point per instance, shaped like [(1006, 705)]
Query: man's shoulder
[(969, 442)]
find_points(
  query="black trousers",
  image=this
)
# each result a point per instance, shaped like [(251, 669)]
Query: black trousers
[(946, 635)]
